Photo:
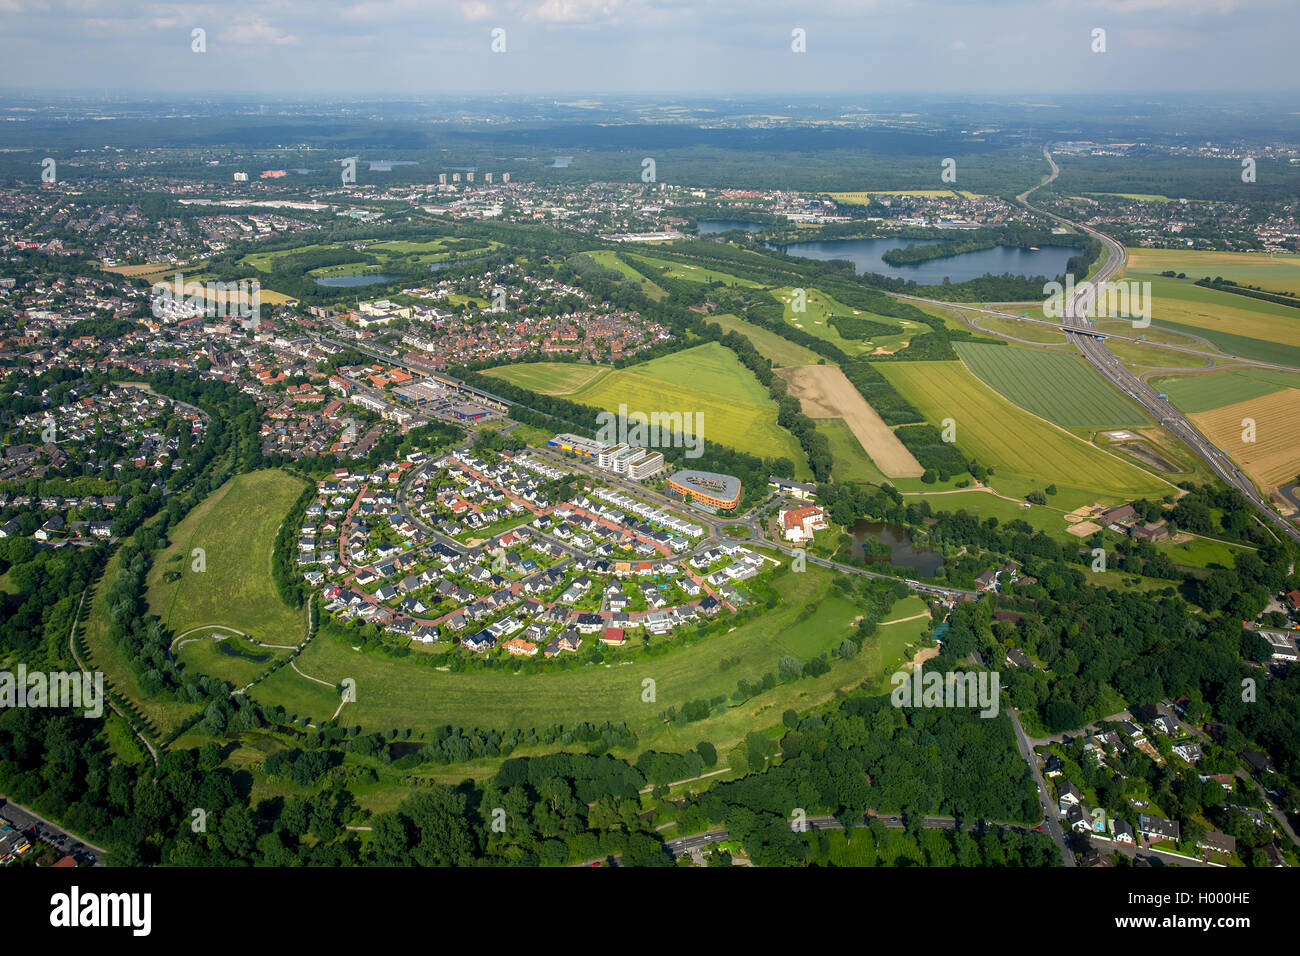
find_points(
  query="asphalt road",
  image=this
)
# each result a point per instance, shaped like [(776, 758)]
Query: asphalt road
[(48, 833), (1051, 823)]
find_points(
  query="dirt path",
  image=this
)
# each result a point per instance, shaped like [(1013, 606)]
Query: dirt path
[(901, 620), (974, 487)]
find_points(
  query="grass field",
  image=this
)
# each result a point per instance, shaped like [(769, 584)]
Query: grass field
[(549, 378), (236, 528), (851, 462), (610, 260), (1046, 518), (1206, 391), (400, 693), (1151, 334), (692, 273), (1062, 388), (101, 655), (1272, 458), (1153, 356), (771, 346), (1199, 552), (737, 410), (1140, 197), (815, 320), (232, 659), (1029, 331), (998, 433)]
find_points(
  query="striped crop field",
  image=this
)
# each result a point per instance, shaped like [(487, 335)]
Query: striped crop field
[(1062, 388)]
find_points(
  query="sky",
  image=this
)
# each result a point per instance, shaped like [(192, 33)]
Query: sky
[(322, 48)]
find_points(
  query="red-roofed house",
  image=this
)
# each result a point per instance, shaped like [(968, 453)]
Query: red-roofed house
[(798, 524)]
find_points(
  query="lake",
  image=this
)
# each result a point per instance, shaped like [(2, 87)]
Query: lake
[(865, 255), (355, 279), (902, 554), (709, 227)]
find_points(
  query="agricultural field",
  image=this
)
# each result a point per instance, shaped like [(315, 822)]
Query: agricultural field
[(1062, 388), (149, 271), (395, 693), (770, 345), (738, 411), (1272, 458), (549, 378), (852, 463), (1241, 346), (1203, 392), (825, 392), (1275, 273), (232, 297), (996, 432), (1238, 325), (236, 528)]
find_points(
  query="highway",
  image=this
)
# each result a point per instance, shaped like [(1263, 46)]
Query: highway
[(1105, 362)]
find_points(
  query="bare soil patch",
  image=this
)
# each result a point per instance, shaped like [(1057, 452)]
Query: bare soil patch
[(825, 392)]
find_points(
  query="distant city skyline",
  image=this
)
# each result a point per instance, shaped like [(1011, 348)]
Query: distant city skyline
[(310, 48)]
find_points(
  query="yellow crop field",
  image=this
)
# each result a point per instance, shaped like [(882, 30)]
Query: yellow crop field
[(1273, 457)]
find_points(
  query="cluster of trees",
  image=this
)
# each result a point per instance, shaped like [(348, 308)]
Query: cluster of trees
[(875, 844), (867, 754), (289, 583), (1220, 284), (939, 458), (855, 327)]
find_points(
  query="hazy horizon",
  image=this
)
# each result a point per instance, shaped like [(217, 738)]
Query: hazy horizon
[(394, 48)]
